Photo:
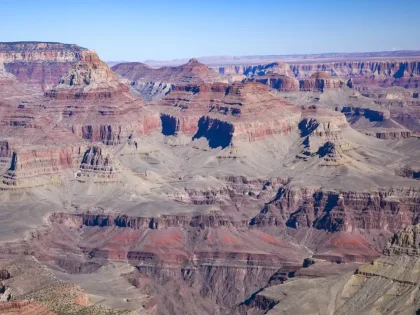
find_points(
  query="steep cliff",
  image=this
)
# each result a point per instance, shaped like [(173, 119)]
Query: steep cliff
[(99, 165), (37, 63), (321, 81), (224, 113), (93, 104), (363, 74), (155, 83)]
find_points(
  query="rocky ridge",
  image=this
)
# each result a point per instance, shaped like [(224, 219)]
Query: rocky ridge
[(154, 83), (224, 113), (197, 202), (363, 73), (39, 64)]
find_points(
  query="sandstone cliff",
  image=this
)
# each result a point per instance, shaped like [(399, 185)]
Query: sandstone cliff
[(93, 104), (362, 73), (224, 113), (39, 64), (155, 83)]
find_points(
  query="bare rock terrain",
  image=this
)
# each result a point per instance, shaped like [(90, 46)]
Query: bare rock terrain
[(182, 190)]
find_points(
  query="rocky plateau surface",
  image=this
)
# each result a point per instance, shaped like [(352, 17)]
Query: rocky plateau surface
[(182, 190)]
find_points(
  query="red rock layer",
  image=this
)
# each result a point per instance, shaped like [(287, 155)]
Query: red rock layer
[(33, 147), (360, 68), (24, 308), (321, 81), (40, 64), (93, 104), (193, 251), (363, 74), (191, 72), (278, 82), (347, 211), (227, 112), (278, 68)]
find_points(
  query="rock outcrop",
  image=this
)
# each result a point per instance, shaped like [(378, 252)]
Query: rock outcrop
[(155, 83), (99, 164), (195, 253), (93, 104), (24, 307), (34, 149), (224, 113), (321, 81), (405, 242), (343, 211), (323, 139), (367, 73), (209, 200), (278, 68), (281, 83), (39, 64), (363, 74)]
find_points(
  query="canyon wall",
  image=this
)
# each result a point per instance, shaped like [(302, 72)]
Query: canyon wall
[(40, 64), (367, 73)]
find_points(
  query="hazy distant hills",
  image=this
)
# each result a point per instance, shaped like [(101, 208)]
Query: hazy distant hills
[(293, 58)]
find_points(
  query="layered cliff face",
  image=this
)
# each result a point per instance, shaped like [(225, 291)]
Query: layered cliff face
[(39, 64), (224, 113), (93, 104), (155, 83), (99, 165), (11, 90), (321, 81), (209, 200), (278, 68), (367, 73), (361, 75), (402, 104), (364, 74), (195, 254), (405, 242), (34, 149), (276, 75), (282, 77), (386, 284), (343, 211), (281, 83)]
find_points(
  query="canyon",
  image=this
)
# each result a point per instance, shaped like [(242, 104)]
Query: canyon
[(207, 189)]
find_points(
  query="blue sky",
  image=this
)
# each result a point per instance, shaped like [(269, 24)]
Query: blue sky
[(138, 30)]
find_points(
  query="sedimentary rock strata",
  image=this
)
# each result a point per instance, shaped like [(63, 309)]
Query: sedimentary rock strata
[(39, 64), (154, 83), (94, 105), (321, 81), (363, 74), (282, 83), (215, 198), (223, 113)]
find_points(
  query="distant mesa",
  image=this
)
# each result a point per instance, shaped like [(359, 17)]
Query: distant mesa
[(153, 84)]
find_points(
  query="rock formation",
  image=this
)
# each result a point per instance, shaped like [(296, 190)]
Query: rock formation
[(24, 307), (211, 198), (34, 148), (98, 164), (93, 104), (39, 64), (321, 81), (281, 83), (405, 242), (363, 74), (155, 83), (224, 113), (367, 73)]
